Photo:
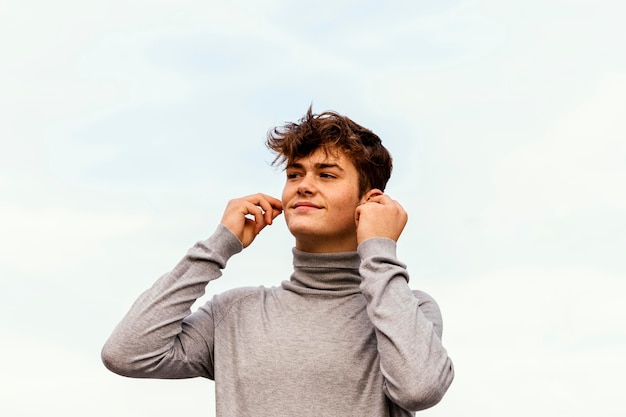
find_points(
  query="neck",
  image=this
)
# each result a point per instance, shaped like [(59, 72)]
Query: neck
[(322, 244), (328, 274)]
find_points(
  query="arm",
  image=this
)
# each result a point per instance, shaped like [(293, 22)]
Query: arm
[(159, 337), (408, 325)]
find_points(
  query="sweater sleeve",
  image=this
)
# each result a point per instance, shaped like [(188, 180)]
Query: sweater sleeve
[(159, 337), (408, 326)]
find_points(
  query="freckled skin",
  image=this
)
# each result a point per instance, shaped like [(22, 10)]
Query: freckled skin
[(320, 197), (322, 207)]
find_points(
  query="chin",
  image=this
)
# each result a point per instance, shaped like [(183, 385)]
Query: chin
[(302, 230)]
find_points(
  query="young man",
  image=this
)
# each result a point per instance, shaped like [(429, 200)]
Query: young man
[(345, 336)]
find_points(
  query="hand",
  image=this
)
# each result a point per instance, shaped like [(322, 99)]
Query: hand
[(379, 216), (245, 217)]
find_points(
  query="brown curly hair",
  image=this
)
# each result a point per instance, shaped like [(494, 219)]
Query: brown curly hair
[(332, 131)]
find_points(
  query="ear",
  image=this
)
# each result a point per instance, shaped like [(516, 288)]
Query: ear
[(374, 192)]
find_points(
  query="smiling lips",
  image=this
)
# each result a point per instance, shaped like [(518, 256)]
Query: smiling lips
[(305, 206)]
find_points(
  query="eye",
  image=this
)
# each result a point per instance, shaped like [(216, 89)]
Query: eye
[(292, 175), (327, 175)]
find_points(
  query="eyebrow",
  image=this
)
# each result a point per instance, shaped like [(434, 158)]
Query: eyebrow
[(319, 165)]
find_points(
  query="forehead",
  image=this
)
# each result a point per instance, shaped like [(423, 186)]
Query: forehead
[(324, 156)]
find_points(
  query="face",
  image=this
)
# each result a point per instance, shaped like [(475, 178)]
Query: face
[(320, 197)]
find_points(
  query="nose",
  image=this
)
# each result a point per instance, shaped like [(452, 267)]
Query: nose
[(306, 185)]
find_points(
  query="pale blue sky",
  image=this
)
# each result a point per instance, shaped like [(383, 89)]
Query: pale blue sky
[(127, 125)]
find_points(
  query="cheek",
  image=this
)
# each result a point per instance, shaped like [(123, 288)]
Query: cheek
[(347, 207), (286, 195), (285, 198)]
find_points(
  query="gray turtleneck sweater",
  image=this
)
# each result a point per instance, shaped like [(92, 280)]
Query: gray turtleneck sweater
[(345, 336)]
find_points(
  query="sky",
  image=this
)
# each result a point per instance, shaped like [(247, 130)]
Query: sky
[(126, 126)]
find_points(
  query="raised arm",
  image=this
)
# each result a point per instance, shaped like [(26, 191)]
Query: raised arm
[(159, 337), (408, 325), (153, 340)]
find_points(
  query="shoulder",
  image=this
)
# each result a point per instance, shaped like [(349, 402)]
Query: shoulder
[(424, 297), (243, 297), (237, 295), (430, 308), (426, 301)]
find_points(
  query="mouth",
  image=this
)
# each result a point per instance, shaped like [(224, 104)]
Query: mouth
[(305, 206)]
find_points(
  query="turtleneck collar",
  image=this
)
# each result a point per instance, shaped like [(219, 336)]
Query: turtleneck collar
[(329, 274)]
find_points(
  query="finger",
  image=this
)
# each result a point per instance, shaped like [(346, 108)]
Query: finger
[(276, 213), (272, 201), (266, 206), (256, 212), (271, 206), (275, 202)]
